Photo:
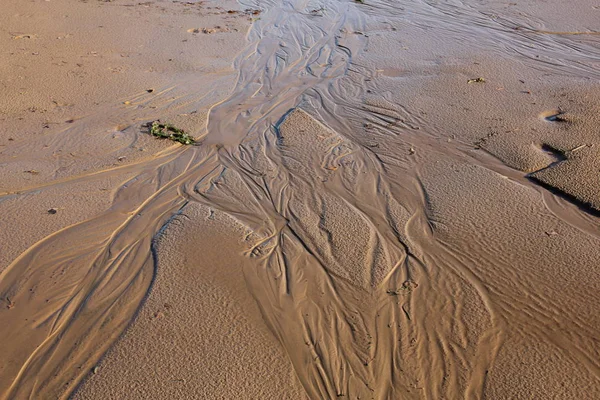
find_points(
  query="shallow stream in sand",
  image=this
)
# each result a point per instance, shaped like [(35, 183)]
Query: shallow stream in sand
[(359, 278)]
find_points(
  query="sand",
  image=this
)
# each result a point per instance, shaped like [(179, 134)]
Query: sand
[(204, 335), (386, 200)]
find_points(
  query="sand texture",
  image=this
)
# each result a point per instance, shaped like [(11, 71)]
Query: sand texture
[(200, 325), (384, 200)]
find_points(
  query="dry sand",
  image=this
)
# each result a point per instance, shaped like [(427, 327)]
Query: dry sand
[(387, 200)]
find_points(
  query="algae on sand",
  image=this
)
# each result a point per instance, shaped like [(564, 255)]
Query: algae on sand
[(170, 132)]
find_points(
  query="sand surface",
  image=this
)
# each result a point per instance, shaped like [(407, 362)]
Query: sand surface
[(386, 200)]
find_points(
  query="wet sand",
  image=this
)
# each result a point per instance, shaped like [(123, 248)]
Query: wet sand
[(385, 201)]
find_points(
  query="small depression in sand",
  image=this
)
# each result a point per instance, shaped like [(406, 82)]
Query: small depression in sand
[(553, 116)]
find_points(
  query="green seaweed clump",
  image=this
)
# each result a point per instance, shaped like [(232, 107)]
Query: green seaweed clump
[(170, 132), (476, 80)]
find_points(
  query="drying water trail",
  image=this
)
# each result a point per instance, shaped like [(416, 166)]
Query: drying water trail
[(350, 265)]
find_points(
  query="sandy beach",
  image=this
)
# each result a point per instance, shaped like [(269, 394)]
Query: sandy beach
[(383, 199)]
